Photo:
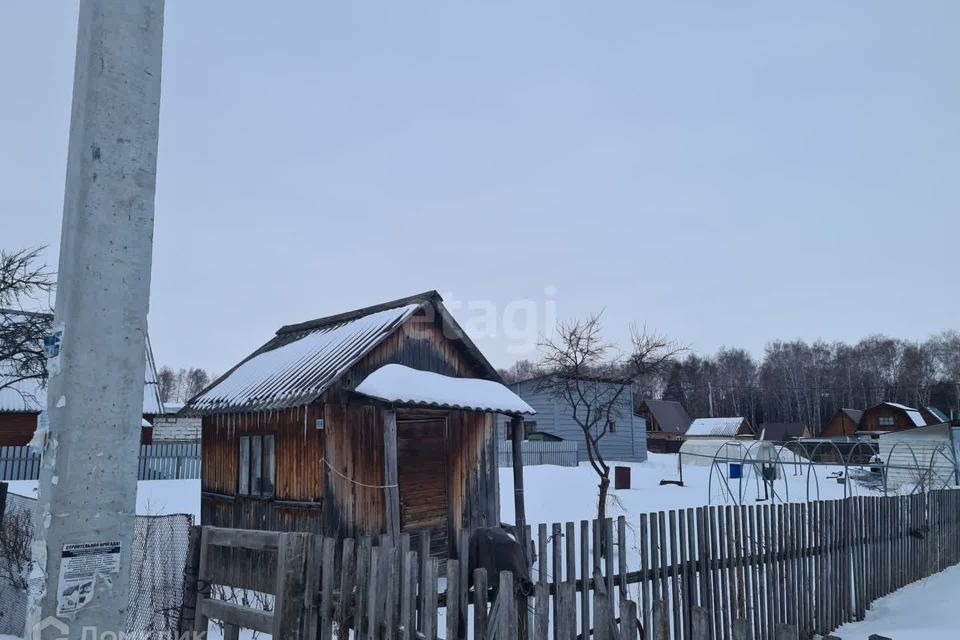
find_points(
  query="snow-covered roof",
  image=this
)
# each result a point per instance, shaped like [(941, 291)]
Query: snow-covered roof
[(24, 396), (912, 413), (399, 384), (716, 427), (30, 396)]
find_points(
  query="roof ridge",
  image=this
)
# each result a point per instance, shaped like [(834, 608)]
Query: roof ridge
[(359, 313)]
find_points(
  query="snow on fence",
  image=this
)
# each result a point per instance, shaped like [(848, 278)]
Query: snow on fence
[(164, 461), (536, 452), (753, 571)]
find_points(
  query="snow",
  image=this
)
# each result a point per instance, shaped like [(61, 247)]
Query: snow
[(154, 497), (715, 427), (914, 415), (397, 383), (924, 610)]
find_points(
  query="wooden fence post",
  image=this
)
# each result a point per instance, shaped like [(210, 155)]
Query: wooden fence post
[(291, 567), (700, 623), (661, 621), (507, 615), (200, 620)]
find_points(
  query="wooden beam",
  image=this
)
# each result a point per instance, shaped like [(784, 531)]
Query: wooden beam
[(390, 474), (516, 424), (229, 613)]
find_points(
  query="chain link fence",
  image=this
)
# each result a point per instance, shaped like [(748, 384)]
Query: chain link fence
[(159, 557)]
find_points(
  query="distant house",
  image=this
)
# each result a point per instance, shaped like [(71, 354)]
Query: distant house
[(933, 415), (890, 416), (23, 406), (174, 428), (782, 431), (720, 428), (844, 423), (667, 422), (626, 437)]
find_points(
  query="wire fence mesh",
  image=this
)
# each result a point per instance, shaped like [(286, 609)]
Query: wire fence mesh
[(159, 557)]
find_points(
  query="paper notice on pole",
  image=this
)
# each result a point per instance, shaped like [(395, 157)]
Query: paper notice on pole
[(80, 566)]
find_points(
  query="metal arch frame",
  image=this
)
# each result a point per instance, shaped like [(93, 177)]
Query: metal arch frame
[(886, 464), (811, 465)]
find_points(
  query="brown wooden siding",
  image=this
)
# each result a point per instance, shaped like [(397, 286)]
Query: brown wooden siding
[(474, 479), (420, 345), (16, 429), (871, 419), (354, 473)]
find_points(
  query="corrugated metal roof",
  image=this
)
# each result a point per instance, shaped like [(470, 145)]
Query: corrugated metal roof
[(399, 384), (723, 427), (300, 363)]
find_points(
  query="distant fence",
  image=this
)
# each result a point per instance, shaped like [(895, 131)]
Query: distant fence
[(535, 452), (165, 461)]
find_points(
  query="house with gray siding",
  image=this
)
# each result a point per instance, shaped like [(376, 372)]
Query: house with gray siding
[(625, 442)]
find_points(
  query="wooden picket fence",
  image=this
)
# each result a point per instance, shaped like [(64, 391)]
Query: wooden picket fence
[(729, 572)]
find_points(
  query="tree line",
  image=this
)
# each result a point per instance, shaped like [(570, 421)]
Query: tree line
[(800, 381), (183, 384)]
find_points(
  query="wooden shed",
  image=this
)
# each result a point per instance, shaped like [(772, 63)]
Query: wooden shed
[(374, 421), (890, 416)]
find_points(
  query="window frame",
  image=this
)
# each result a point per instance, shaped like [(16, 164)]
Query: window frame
[(257, 466)]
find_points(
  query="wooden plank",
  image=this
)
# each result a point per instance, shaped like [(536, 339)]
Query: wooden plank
[(291, 574), (408, 603), (723, 541), (675, 578), (740, 554), (568, 611), (328, 572), (740, 629), (429, 614), (243, 617), (585, 576), (480, 594), (312, 587), (571, 553), (542, 553), (391, 474), (662, 557), (645, 599), (541, 613), (231, 632), (390, 583), (453, 599), (348, 580), (608, 564), (685, 580), (507, 613), (622, 554), (243, 538), (463, 557), (375, 591), (716, 606), (755, 569), (425, 562), (691, 574), (362, 589), (628, 620), (700, 624), (557, 577), (768, 570), (661, 621), (601, 609)]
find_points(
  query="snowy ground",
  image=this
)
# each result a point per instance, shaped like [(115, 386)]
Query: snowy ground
[(562, 494), (924, 610)]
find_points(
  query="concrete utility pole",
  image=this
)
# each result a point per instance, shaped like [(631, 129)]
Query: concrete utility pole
[(88, 480)]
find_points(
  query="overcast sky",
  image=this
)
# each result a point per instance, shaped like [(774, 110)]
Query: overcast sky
[(728, 173)]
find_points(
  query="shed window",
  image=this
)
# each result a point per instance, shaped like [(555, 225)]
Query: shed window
[(258, 466), (612, 426), (887, 421)]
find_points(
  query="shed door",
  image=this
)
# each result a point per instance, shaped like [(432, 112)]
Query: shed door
[(422, 473)]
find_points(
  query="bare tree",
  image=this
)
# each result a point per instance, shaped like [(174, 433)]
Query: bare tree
[(25, 286), (167, 382), (195, 382), (519, 370), (591, 378)]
